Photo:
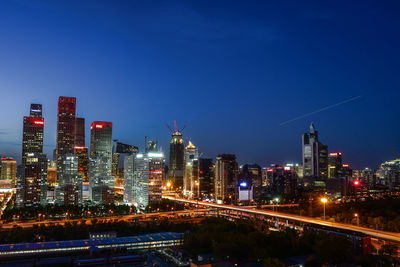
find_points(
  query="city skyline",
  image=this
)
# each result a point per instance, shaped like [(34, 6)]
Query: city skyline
[(245, 76)]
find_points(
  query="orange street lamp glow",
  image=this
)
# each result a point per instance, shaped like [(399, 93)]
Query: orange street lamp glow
[(324, 200)]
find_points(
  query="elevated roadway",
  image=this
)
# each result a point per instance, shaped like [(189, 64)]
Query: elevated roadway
[(390, 236)]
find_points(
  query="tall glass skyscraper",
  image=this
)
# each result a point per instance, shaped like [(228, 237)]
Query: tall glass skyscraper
[(65, 126), (225, 182), (32, 188), (32, 135), (80, 148), (68, 184), (315, 155), (129, 170), (101, 181), (80, 132), (191, 182), (176, 161), (69, 190), (143, 175)]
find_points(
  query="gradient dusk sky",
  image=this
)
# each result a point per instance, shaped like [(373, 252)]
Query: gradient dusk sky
[(232, 71)]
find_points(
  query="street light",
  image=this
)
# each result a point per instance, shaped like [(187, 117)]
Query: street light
[(358, 219), (276, 201), (324, 200)]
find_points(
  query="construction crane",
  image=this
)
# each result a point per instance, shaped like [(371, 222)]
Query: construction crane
[(176, 130)]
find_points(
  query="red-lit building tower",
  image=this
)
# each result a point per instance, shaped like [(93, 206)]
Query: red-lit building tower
[(69, 188), (65, 126)]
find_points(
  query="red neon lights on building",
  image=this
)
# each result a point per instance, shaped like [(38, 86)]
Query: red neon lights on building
[(356, 182), (38, 122), (100, 125)]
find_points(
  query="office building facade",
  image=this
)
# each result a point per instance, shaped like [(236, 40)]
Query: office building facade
[(176, 160), (191, 182), (225, 181), (32, 190), (32, 135), (335, 165), (69, 189), (101, 184), (315, 155), (65, 127), (8, 173), (206, 178), (101, 181)]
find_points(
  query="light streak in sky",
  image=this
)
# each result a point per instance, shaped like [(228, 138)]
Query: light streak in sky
[(319, 110)]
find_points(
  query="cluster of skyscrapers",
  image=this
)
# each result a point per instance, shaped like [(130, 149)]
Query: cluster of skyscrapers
[(106, 169)]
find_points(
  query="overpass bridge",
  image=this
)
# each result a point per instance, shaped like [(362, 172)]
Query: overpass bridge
[(389, 236)]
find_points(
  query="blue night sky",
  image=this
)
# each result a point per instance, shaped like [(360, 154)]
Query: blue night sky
[(232, 71)]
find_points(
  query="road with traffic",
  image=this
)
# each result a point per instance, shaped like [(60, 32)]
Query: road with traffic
[(182, 215), (390, 236)]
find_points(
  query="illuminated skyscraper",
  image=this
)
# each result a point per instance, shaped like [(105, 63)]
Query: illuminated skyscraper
[(315, 155), (335, 165), (8, 173), (140, 193), (52, 174), (80, 132), (65, 127), (66, 176), (206, 177), (191, 182), (69, 190), (82, 153), (100, 179), (129, 170), (143, 178), (225, 182), (156, 168), (80, 148), (36, 111), (176, 161), (101, 141), (32, 190), (282, 180), (252, 176), (32, 135), (101, 184)]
